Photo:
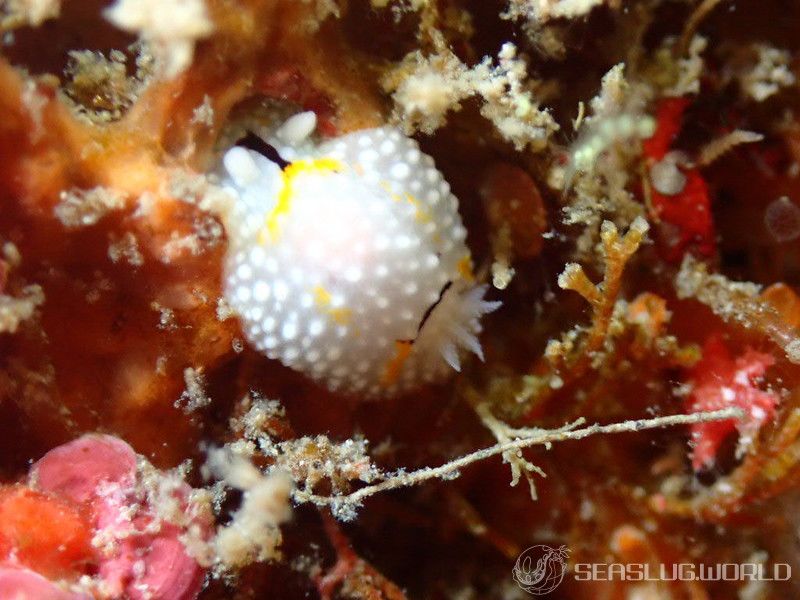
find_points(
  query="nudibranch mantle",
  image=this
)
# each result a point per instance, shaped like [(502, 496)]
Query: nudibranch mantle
[(349, 264)]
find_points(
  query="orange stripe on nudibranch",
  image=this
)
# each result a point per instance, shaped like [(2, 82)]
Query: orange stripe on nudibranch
[(402, 350), (464, 267)]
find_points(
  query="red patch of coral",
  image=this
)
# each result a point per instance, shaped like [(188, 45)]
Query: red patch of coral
[(720, 381)]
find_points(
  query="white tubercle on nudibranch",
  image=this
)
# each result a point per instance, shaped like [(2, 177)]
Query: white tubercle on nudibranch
[(348, 263)]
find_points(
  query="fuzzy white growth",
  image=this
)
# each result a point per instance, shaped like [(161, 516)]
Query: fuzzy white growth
[(350, 263), (769, 75), (253, 534), (603, 134), (171, 27)]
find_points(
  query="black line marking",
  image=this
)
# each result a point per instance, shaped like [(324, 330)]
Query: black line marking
[(431, 307), (252, 142), (427, 314)]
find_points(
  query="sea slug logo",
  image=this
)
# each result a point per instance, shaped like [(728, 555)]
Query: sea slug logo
[(540, 569)]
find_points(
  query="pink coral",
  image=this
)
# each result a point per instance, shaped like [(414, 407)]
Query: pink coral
[(22, 584), (718, 381), (139, 555)]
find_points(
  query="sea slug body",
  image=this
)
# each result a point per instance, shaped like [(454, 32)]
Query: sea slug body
[(347, 260)]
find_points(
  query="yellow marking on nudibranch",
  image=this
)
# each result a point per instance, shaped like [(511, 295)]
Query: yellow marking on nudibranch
[(323, 299), (289, 175), (464, 267), (402, 350), (387, 187), (422, 215), (340, 315), (322, 296)]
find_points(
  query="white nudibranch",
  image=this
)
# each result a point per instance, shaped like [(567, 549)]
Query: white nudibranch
[(349, 263)]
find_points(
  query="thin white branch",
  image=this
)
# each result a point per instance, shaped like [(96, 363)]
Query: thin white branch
[(451, 469)]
